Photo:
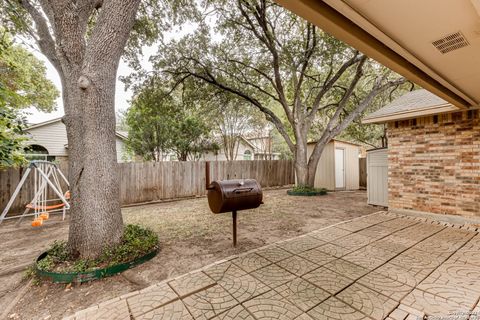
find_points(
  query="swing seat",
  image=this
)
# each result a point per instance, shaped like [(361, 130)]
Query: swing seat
[(46, 178), (50, 207), (37, 222)]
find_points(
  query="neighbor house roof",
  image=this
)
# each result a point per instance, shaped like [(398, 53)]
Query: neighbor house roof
[(255, 148), (412, 104), (120, 134)]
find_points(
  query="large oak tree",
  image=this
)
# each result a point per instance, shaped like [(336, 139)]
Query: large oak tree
[(273, 59), (84, 40)]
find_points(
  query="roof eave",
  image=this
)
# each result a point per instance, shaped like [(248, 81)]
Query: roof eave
[(411, 114), (337, 19), (44, 123)]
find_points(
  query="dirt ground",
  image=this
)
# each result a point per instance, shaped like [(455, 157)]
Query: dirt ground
[(190, 237)]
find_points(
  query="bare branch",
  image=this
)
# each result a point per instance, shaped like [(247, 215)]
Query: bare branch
[(330, 82), (260, 72), (310, 46), (259, 12), (330, 134), (209, 78), (346, 96), (247, 82), (44, 39)]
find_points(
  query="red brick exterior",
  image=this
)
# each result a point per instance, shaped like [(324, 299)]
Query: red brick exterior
[(434, 164)]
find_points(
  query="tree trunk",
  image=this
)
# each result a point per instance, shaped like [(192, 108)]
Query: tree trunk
[(96, 219), (182, 156), (89, 99), (313, 163), (301, 166)]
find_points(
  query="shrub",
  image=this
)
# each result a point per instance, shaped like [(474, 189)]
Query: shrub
[(137, 241), (306, 189)]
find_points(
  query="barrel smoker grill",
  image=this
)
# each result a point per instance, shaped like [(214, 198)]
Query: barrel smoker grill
[(233, 195)]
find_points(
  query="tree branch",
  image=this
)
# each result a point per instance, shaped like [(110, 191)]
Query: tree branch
[(330, 134), (260, 72), (44, 38), (329, 82), (107, 42), (212, 80), (346, 96), (310, 47), (259, 12), (249, 83)]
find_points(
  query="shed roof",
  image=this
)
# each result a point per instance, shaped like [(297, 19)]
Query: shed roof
[(412, 104)]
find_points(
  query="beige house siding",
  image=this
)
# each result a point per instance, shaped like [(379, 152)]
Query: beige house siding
[(52, 137), (434, 164), (120, 146), (258, 148), (325, 175)]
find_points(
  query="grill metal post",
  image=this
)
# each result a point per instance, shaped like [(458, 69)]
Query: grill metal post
[(232, 196), (234, 218), (207, 174)]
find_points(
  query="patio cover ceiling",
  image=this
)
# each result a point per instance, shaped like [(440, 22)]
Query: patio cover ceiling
[(401, 34)]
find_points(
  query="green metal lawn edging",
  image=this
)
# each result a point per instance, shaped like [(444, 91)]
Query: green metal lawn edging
[(68, 277), (306, 193)]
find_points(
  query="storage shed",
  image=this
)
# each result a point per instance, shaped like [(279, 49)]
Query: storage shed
[(338, 168)]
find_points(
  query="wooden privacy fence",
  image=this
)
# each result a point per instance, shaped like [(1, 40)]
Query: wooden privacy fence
[(152, 181)]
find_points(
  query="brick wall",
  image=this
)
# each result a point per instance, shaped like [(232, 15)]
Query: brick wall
[(434, 164)]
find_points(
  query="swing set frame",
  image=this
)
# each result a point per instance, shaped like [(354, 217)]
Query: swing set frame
[(46, 175)]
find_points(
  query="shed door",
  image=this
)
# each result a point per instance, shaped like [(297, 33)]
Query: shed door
[(339, 168), (377, 177)]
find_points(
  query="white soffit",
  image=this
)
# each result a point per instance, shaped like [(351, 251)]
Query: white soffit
[(409, 27)]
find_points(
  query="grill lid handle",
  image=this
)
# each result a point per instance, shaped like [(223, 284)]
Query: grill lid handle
[(211, 186), (242, 190)]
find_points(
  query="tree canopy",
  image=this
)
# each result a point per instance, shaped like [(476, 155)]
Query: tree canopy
[(302, 79), (23, 81), (231, 120), (23, 84), (161, 122)]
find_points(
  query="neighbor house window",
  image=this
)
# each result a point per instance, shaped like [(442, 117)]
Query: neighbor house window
[(247, 155), (37, 152)]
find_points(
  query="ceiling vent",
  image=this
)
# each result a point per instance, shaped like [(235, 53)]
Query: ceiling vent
[(451, 42)]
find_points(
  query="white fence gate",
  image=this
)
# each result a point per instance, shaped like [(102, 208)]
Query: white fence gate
[(377, 177)]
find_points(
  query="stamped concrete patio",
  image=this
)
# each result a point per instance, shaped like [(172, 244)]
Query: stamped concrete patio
[(380, 266)]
